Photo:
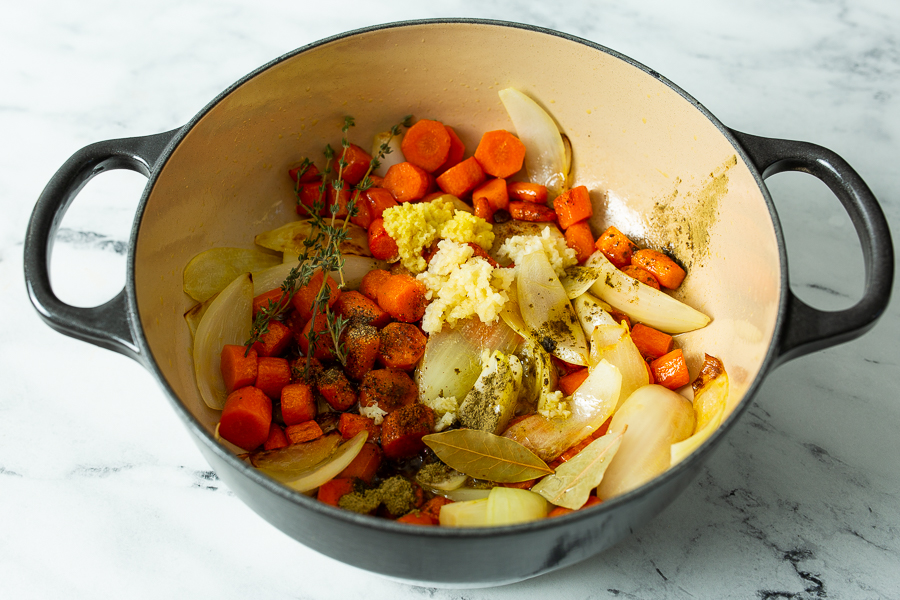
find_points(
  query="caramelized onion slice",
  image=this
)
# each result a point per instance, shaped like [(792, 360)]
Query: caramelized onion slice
[(296, 458), (326, 470)]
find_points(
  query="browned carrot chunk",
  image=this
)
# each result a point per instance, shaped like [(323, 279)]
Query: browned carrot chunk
[(402, 345), (417, 517), (350, 424), (641, 275), (432, 507), (572, 206), (616, 246), (371, 283), (527, 192), (319, 331), (403, 297), (426, 144), (362, 343), (388, 389), (274, 341), (667, 272), (500, 153), (403, 430), (529, 211), (305, 297), (246, 418), (297, 403), (303, 432), (239, 367), (276, 438), (366, 463), (336, 389), (651, 343), (670, 370), (359, 310), (572, 381)]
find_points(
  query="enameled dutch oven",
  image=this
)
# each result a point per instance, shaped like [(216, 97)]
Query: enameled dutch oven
[(660, 167)]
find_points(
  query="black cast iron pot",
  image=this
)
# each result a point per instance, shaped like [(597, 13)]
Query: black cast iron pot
[(660, 167)]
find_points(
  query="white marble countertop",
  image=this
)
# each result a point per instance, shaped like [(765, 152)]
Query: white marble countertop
[(103, 494)]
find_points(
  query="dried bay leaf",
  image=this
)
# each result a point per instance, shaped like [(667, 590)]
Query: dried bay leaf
[(573, 481), (483, 455)]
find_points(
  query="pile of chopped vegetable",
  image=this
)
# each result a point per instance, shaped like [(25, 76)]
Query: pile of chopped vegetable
[(443, 339)]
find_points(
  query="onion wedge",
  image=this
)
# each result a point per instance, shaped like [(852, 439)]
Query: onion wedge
[(592, 312), (328, 469), (710, 399), (613, 343), (209, 272), (296, 458), (545, 156), (226, 321), (290, 238)]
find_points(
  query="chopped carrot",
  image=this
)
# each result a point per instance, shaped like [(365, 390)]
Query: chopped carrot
[(388, 389), (246, 418), (376, 180), (432, 507), (461, 179), (272, 297), (275, 341), (402, 345), (529, 211), (300, 373), (330, 492), (359, 310), (276, 438), (650, 376), (616, 246), (273, 374), (580, 239), (338, 201), (362, 212), (406, 182), (572, 381), (324, 344), (479, 252), (559, 510), (303, 432), (239, 367), (573, 205), (297, 403), (366, 463), (619, 316), (305, 296), (500, 153), (308, 195), (651, 343), (402, 430), (527, 192), (378, 200), (666, 270), (356, 163), (304, 172), (362, 343), (381, 244), (403, 297), (336, 389), (350, 424), (494, 191), (417, 517), (564, 368), (426, 144), (372, 282), (483, 209), (670, 370), (571, 452), (645, 277), (457, 151)]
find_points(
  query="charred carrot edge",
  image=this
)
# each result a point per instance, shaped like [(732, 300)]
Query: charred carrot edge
[(572, 381), (651, 343), (402, 430), (336, 389), (402, 346), (275, 341), (457, 151), (572, 206), (616, 246), (362, 345), (276, 438), (645, 277), (406, 182), (462, 178), (330, 492), (666, 270), (670, 370), (426, 144), (239, 367), (357, 163), (381, 244), (403, 297), (500, 153), (297, 403), (529, 211), (246, 418), (388, 389), (580, 239), (494, 191), (303, 432), (527, 192), (372, 282), (366, 463), (272, 375)]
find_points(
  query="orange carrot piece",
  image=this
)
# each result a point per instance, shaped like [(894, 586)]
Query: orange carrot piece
[(363, 212), (457, 151), (275, 341), (650, 376), (573, 205), (462, 178), (263, 300), (366, 463), (426, 144), (350, 424), (330, 492), (521, 485), (559, 510), (616, 246), (273, 374), (381, 244), (651, 343), (356, 163), (359, 310), (402, 430), (529, 211), (483, 209), (527, 192), (362, 343), (324, 344), (406, 182), (246, 418), (388, 389), (378, 200), (417, 517), (276, 438), (479, 252), (619, 316), (494, 191), (402, 346), (298, 404), (500, 153), (432, 507), (666, 270), (376, 180), (305, 296), (239, 367), (403, 297), (580, 239), (641, 275), (338, 201), (670, 370), (308, 195), (572, 381), (303, 432), (372, 282), (304, 172), (336, 389), (299, 372)]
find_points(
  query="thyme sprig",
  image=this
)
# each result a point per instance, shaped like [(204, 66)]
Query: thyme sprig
[(321, 248)]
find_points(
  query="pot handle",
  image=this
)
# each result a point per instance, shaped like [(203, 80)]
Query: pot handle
[(807, 329), (106, 325)]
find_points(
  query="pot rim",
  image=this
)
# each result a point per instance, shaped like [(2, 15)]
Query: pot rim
[(691, 463)]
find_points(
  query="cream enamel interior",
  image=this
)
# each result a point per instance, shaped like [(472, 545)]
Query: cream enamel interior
[(657, 167)]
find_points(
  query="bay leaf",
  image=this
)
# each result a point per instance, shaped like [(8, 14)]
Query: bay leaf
[(483, 455), (573, 481)]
